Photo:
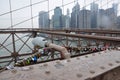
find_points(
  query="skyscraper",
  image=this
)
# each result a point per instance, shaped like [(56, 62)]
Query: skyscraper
[(115, 7), (111, 13), (67, 19), (85, 21), (94, 13), (43, 20), (94, 7), (118, 22), (75, 16), (100, 19), (57, 18), (108, 18)]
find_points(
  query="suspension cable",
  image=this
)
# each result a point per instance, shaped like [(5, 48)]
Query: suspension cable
[(37, 15), (31, 13), (23, 7), (11, 14)]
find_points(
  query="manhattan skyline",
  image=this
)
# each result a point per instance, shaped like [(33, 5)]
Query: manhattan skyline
[(25, 13), (91, 18)]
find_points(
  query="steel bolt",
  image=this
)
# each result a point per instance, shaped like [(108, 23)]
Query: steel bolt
[(79, 75), (14, 71), (68, 60), (77, 58), (58, 62), (92, 72), (47, 72), (86, 56), (31, 67), (105, 51), (99, 52), (93, 54), (45, 65), (110, 64), (117, 61), (102, 67)]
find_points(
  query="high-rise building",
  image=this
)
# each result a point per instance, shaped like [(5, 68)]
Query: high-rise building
[(101, 17), (43, 19), (85, 21), (94, 7), (118, 22), (108, 18), (57, 18), (94, 13), (111, 18), (75, 16), (67, 19), (115, 7)]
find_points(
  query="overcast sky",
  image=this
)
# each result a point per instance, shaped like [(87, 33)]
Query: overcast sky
[(23, 14)]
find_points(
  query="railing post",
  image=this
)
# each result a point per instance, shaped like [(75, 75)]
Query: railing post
[(14, 54), (67, 40)]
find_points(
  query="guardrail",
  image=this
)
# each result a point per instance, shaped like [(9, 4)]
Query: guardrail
[(68, 38)]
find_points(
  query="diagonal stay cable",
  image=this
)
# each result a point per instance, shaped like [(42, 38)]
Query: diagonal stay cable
[(49, 11), (38, 15), (5, 48), (6, 40), (11, 42), (24, 42), (32, 17), (23, 7)]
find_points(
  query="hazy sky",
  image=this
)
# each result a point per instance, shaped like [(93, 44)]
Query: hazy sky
[(23, 14)]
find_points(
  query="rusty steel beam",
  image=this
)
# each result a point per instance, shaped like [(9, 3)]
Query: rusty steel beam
[(19, 55), (30, 30), (87, 31), (101, 38), (115, 40), (104, 66)]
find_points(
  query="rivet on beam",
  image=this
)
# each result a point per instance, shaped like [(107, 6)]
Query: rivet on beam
[(79, 75), (31, 67), (45, 65), (77, 58), (93, 54), (99, 52), (58, 62), (110, 64), (47, 72), (102, 67), (14, 71), (86, 56), (68, 60), (92, 72), (117, 61)]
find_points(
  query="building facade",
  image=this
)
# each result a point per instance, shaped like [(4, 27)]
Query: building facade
[(43, 19), (85, 21), (67, 19), (108, 18), (94, 14), (75, 16), (57, 18)]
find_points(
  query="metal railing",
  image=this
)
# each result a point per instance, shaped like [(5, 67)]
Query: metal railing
[(81, 43)]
